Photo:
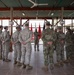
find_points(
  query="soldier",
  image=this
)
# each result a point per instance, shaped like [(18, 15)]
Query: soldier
[(1, 27), (36, 40), (69, 43), (5, 43), (48, 37), (60, 46), (25, 39), (10, 48), (56, 39), (17, 45)]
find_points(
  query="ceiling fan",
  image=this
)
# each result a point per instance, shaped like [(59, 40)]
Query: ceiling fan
[(36, 4)]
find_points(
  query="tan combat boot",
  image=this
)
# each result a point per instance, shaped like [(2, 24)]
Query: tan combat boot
[(45, 68), (23, 66), (28, 67), (18, 64), (15, 62)]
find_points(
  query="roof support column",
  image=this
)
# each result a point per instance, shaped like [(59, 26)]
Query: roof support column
[(53, 22), (1, 22), (20, 21), (11, 19), (62, 9), (71, 23), (62, 21)]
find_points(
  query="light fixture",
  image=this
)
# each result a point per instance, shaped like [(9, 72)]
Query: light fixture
[(23, 13), (52, 14)]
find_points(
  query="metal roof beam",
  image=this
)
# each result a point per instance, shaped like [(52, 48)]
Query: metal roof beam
[(3, 3), (35, 18), (36, 8)]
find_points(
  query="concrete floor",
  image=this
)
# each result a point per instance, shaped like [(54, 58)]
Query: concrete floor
[(7, 68)]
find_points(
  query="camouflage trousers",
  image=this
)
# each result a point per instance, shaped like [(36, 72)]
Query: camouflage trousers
[(5, 50), (26, 54), (60, 52), (0, 50), (48, 56), (17, 52), (69, 51)]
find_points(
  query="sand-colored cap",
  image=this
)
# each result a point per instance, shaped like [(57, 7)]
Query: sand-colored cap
[(5, 27), (1, 26), (18, 26)]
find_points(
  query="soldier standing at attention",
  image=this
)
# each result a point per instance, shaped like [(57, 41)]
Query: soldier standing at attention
[(5, 44), (17, 45), (1, 27), (36, 40), (25, 38), (69, 43), (60, 46), (48, 37)]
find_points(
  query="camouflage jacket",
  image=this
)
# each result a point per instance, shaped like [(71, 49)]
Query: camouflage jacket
[(36, 35), (60, 37), (25, 35), (68, 38), (48, 35)]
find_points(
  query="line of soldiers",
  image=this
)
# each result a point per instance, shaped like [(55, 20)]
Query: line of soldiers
[(21, 41), (59, 41)]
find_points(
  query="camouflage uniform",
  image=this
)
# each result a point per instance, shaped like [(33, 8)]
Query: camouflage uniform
[(10, 48), (56, 39), (36, 40), (48, 35), (5, 43), (17, 45), (60, 46), (0, 42), (25, 39), (69, 43)]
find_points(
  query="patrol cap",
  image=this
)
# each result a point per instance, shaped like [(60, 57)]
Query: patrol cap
[(59, 27), (5, 27), (18, 26), (48, 23), (1, 26)]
